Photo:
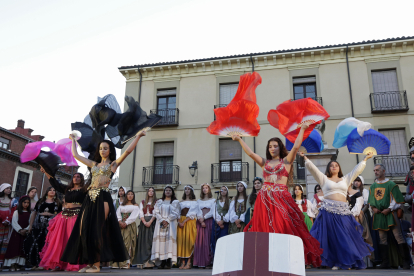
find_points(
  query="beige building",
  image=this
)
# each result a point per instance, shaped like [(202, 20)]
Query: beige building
[(372, 81)]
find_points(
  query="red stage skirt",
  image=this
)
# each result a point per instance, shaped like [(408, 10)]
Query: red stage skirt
[(275, 211), (59, 230)]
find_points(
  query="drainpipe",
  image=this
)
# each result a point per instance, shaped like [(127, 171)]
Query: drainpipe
[(350, 91), (135, 149), (254, 138)]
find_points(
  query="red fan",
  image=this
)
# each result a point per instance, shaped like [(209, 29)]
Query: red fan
[(289, 116), (240, 115)]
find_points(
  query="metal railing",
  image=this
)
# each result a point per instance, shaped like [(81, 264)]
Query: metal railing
[(229, 171), (318, 99), (395, 165), (169, 116), (160, 175), (388, 101), (218, 106)]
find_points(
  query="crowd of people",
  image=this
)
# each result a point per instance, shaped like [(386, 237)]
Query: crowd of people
[(344, 226)]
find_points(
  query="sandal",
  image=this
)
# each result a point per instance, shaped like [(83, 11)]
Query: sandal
[(93, 269), (83, 270), (188, 265), (126, 266), (182, 265)]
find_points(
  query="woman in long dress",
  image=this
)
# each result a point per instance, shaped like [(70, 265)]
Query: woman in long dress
[(317, 199), (304, 205), (257, 185), (206, 210), (5, 218), (275, 211), (96, 236), (238, 209), (164, 245), (146, 230), (222, 219), (339, 234), (127, 213)]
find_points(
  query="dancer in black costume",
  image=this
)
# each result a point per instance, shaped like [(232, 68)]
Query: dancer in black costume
[(96, 236)]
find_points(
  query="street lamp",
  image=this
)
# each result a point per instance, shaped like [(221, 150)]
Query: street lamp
[(193, 168)]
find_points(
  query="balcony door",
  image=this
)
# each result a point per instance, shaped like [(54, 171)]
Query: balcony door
[(163, 163), (386, 91), (230, 160), (21, 184), (304, 87), (166, 106), (397, 162), (227, 92)]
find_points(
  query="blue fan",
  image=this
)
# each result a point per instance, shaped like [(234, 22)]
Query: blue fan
[(312, 144), (371, 141)]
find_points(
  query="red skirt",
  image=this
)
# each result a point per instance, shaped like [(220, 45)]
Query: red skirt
[(275, 211), (59, 230)]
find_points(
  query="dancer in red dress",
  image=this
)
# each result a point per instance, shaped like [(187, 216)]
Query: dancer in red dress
[(275, 211)]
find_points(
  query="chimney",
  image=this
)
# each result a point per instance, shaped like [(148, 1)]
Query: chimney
[(20, 123)]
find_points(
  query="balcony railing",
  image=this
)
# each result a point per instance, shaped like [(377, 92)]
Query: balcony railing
[(169, 116), (154, 175), (298, 170), (231, 171), (318, 99), (391, 101), (395, 165), (218, 106)]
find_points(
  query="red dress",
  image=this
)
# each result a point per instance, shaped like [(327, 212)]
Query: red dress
[(275, 211)]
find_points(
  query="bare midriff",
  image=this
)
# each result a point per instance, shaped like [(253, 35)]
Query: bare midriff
[(100, 181), (336, 197), (72, 205)]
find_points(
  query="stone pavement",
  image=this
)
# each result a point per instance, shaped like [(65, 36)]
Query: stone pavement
[(202, 272)]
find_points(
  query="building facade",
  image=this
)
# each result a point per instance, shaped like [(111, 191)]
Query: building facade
[(22, 176), (371, 81)]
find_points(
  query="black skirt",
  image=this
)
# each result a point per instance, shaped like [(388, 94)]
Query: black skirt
[(144, 242), (99, 240)]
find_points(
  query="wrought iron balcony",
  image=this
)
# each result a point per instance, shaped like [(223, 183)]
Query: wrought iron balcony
[(392, 101), (154, 175), (395, 165), (318, 99), (169, 116), (218, 106), (229, 171)]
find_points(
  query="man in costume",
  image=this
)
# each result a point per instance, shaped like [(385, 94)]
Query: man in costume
[(384, 198)]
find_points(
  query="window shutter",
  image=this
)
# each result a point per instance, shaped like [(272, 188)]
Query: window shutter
[(304, 80), (227, 92), (163, 149), (398, 141), (167, 92), (230, 150), (384, 81)]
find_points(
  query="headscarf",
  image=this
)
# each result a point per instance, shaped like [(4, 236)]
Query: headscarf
[(4, 186), (244, 184)]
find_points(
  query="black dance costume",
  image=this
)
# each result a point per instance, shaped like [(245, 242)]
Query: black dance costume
[(93, 238)]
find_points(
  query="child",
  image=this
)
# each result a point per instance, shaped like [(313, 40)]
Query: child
[(15, 258)]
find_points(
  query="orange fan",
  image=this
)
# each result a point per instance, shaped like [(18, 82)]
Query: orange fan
[(289, 116), (240, 115)]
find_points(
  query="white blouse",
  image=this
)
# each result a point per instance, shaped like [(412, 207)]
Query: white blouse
[(211, 204), (15, 222), (226, 218), (192, 205), (232, 211), (122, 209), (356, 210), (166, 211), (141, 210), (365, 194), (330, 187), (309, 207), (315, 207)]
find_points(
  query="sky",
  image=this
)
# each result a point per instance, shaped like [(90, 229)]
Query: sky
[(57, 57)]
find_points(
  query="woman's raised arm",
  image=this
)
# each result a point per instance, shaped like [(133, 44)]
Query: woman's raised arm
[(256, 158), (128, 151), (298, 142), (75, 153)]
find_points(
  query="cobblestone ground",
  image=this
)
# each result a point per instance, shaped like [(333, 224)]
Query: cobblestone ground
[(200, 272)]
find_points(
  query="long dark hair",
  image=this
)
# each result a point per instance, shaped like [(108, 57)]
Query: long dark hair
[(226, 205), (126, 199), (282, 149), (192, 195), (316, 187), (2, 194), (294, 195), (122, 189), (361, 187), (328, 171), (172, 196), (56, 199), (112, 153), (82, 184), (31, 189), (237, 196), (253, 195), (154, 198), (20, 206)]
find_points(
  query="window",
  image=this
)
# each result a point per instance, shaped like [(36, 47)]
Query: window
[(227, 92), (4, 143), (166, 106), (304, 87), (163, 163), (397, 162), (21, 184), (384, 81), (230, 160)]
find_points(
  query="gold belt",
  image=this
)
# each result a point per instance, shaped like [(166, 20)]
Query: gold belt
[(94, 192)]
